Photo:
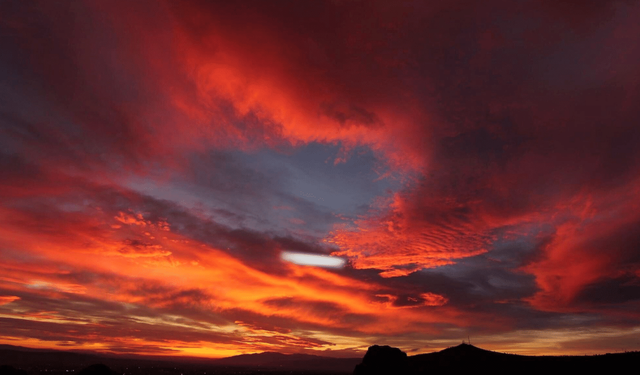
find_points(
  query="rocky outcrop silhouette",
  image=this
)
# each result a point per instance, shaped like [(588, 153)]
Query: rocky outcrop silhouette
[(381, 360)]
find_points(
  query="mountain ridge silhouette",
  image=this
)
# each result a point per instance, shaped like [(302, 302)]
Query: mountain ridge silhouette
[(24, 357), (378, 360), (466, 358), (289, 361)]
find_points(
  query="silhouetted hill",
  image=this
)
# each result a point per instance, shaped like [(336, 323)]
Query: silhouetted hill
[(465, 359), (290, 362), (262, 359)]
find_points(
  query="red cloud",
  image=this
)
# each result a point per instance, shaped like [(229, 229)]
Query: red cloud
[(599, 244), (401, 242), (496, 119), (8, 299)]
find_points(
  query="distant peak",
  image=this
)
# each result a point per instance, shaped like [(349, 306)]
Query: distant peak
[(464, 344), (465, 349)]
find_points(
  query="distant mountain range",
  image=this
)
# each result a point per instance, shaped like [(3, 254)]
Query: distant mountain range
[(34, 360), (291, 362)]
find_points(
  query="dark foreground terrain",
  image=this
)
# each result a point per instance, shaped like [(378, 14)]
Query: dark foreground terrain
[(25, 361), (462, 359), (468, 359)]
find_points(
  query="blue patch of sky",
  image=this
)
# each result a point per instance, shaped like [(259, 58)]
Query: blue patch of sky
[(300, 191), (497, 269), (345, 188)]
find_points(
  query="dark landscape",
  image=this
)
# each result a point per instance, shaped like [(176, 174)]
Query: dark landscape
[(210, 186), (35, 361), (464, 358)]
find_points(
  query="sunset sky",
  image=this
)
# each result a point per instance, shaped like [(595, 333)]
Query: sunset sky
[(476, 164)]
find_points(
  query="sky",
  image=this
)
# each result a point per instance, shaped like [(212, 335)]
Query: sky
[(473, 165)]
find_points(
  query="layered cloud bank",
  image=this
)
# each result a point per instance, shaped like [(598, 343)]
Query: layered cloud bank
[(476, 164)]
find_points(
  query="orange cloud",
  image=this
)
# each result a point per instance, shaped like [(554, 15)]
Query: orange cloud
[(131, 219), (172, 271), (424, 299), (398, 244), (8, 299)]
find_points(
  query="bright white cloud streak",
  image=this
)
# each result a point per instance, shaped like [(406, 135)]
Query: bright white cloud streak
[(305, 259)]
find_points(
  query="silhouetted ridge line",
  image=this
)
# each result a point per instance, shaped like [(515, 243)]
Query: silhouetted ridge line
[(289, 361), (468, 359), (37, 360)]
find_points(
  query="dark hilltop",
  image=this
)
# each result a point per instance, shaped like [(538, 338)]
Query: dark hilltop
[(467, 359), (379, 360)]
